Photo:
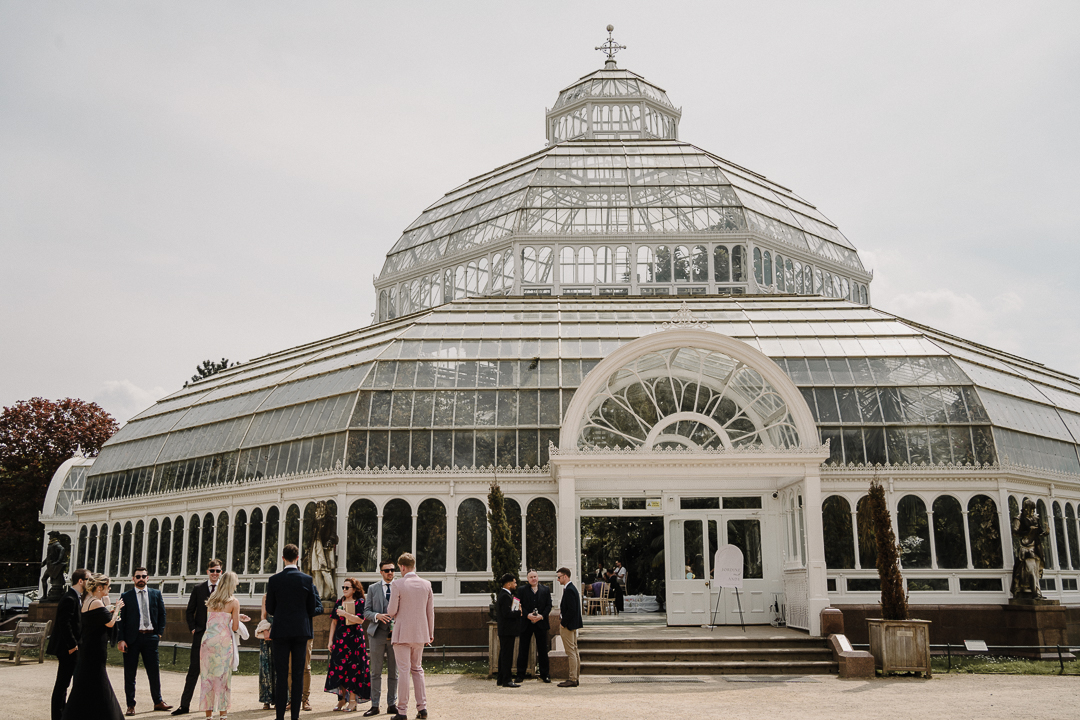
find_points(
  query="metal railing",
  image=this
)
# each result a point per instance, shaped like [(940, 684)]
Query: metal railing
[(1061, 650)]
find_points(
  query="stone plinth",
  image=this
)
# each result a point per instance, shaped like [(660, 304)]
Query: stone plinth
[(1036, 622), (832, 622)]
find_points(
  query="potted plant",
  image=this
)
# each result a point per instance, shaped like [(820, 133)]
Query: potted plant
[(505, 558), (898, 643)]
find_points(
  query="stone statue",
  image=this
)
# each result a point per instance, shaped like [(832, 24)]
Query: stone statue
[(323, 552), (56, 557), (1028, 529)]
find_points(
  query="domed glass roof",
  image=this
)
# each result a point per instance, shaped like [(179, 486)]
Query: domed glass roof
[(611, 83)]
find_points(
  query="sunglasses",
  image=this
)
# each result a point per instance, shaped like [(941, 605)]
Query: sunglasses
[(215, 571), (346, 587), (141, 577), (390, 570)]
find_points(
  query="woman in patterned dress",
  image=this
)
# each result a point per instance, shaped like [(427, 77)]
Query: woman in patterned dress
[(266, 659), (347, 674), (216, 652)]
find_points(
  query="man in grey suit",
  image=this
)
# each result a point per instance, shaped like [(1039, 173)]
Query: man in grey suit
[(379, 632)]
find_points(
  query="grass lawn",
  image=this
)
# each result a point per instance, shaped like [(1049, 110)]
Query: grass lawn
[(989, 665)]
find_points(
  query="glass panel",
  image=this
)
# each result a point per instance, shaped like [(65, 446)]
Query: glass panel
[(255, 530), (396, 529), (472, 536), (984, 531), (949, 533), (836, 522), (164, 548), (177, 547), (125, 552), (193, 546), (742, 503), (867, 536), (913, 526), (541, 527), (221, 537), (271, 552), (1044, 546), (239, 554), (292, 525), (688, 537), (746, 535), (431, 536), (699, 503), (362, 536)]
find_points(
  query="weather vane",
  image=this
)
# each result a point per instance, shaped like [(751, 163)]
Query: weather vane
[(611, 47)]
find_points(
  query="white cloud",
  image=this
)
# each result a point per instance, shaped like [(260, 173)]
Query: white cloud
[(123, 399)]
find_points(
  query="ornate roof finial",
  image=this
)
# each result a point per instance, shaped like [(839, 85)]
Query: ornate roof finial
[(610, 47)]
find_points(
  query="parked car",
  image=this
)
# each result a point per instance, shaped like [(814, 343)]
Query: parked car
[(15, 603)]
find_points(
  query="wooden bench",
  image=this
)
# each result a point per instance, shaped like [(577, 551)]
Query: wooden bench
[(27, 635)]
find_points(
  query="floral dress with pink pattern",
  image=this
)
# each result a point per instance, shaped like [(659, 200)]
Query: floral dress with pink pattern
[(348, 668), (215, 662)]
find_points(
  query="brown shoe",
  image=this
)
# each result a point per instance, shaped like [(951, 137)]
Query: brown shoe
[(306, 705), (568, 683), (131, 710), (162, 706)]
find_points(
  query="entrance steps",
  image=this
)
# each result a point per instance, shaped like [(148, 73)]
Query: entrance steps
[(699, 651)]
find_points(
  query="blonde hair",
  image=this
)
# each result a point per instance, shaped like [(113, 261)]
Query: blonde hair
[(94, 581), (223, 593)]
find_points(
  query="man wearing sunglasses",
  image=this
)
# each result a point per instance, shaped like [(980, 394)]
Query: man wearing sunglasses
[(380, 630), (140, 629), (196, 620)]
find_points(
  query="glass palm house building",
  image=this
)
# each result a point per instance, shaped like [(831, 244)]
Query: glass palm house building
[(655, 352)]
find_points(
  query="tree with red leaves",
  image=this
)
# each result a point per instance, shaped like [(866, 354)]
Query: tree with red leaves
[(36, 437)]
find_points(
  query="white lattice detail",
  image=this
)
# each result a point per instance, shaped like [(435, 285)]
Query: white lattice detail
[(796, 597)]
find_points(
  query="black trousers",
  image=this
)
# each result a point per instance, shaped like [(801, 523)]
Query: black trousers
[(66, 669), (192, 671), (540, 632), (506, 658), (290, 654), (145, 647)]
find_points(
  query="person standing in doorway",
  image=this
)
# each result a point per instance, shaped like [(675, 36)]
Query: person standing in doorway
[(196, 621), (292, 599), (141, 628), (412, 607), (570, 623), (535, 608), (64, 640), (380, 630)]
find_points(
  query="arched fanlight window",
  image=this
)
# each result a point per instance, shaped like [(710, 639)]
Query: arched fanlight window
[(471, 536), (690, 398), (239, 552), (431, 536), (80, 557), (125, 551), (1044, 541), (221, 538), (175, 564), (137, 544), (586, 265), (114, 550), (789, 275), (436, 290), (207, 541), (798, 284), (483, 277), (103, 542), (396, 529), (767, 263), (254, 545), (165, 546), (866, 535)]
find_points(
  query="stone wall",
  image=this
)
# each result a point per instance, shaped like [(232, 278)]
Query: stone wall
[(957, 623)]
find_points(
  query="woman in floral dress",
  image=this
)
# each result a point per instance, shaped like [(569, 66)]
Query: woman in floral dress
[(266, 659), (347, 674), (216, 652)]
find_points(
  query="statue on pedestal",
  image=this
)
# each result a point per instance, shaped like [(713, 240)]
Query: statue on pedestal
[(323, 552), (52, 583), (1028, 529)]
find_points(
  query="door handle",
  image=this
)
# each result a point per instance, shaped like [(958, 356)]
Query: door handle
[(708, 584)]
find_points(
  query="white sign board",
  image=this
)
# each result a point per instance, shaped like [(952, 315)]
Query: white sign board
[(728, 567), (976, 646)]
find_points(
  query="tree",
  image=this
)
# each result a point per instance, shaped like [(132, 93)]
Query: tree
[(208, 368), (893, 599), (504, 556), (36, 437)]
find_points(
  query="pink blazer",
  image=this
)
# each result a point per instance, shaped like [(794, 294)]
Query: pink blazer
[(412, 605)]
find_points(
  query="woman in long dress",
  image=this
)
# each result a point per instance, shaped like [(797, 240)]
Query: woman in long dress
[(347, 673), (216, 652), (92, 696)]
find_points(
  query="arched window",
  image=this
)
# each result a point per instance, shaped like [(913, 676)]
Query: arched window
[(425, 292), (292, 526), (662, 265), (125, 551), (1074, 538), (80, 557), (836, 524), (472, 279), (396, 529), (114, 550), (239, 540), (645, 270), (913, 527), (818, 289), (1044, 541), (254, 546), (391, 303), (436, 290), (544, 262), (566, 265), (867, 536), (207, 541), (221, 539), (193, 546), (721, 264), (482, 277), (699, 264), (137, 544), (308, 536), (586, 265), (271, 552), (827, 285), (758, 273), (513, 518), (363, 536), (808, 280), (176, 563), (682, 263), (738, 264), (789, 275), (91, 548), (604, 268), (622, 265), (151, 548), (508, 272), (984, 530), (541, 535), (797, 287), (472, 539), (768, 268), (431, 536), (103, 546), (780, 284), (448, 285), (383, 313), (1059, 535), (461, 287), (165, 547), (949, 533)]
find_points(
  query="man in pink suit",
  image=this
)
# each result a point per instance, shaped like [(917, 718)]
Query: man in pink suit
[(412, 605)]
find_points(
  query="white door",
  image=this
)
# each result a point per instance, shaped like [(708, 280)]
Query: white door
[(688, 572), (744, 530)]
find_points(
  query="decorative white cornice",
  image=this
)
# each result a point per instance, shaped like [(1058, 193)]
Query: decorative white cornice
[(1012, 471), (638, 452), (683, 319)]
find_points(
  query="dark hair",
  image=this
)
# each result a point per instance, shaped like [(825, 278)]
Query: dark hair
[(215, 563), (387, 562), (563, 571), (140, 568), (80, 574), (358, 588), (290, 552), (507, 577)]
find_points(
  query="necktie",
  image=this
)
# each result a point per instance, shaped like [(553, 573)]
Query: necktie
[(144, 610), (387, 594), (212, 589)]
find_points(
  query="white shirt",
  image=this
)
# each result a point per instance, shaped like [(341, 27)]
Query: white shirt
[(141, 597)]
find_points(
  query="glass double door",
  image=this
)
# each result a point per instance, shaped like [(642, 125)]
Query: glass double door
[(692, 596)]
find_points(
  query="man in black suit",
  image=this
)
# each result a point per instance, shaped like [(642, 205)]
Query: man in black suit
[(196, 620), (140, 629), (535, 607), (292, 599), (508, 617), (64, 641), (570, 623)]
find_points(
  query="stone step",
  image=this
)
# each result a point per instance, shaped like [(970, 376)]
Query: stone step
[(689, 655), (732, 667), (592, 643)]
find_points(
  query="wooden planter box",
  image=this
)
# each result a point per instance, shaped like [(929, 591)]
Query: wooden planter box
[(900, 645)]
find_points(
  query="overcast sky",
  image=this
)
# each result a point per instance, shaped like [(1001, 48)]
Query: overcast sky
[(191, 180)]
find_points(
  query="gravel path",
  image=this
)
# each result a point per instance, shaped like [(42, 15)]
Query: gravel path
[(25, 692)]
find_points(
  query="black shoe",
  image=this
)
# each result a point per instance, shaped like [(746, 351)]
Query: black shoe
[(511, 684), (181, 711), (373, 710), (519, 680), (391, 710), (546, 679), (399, 716), (422, 715)]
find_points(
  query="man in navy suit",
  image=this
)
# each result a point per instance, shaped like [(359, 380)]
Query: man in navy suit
[(292, 599), (64, 640), (570, 622), (535, 608), (140, 629)]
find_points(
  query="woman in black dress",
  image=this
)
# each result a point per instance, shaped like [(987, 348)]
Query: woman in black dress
[(92, 696)]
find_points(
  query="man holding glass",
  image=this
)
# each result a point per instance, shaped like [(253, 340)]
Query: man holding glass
[(380, 632)]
